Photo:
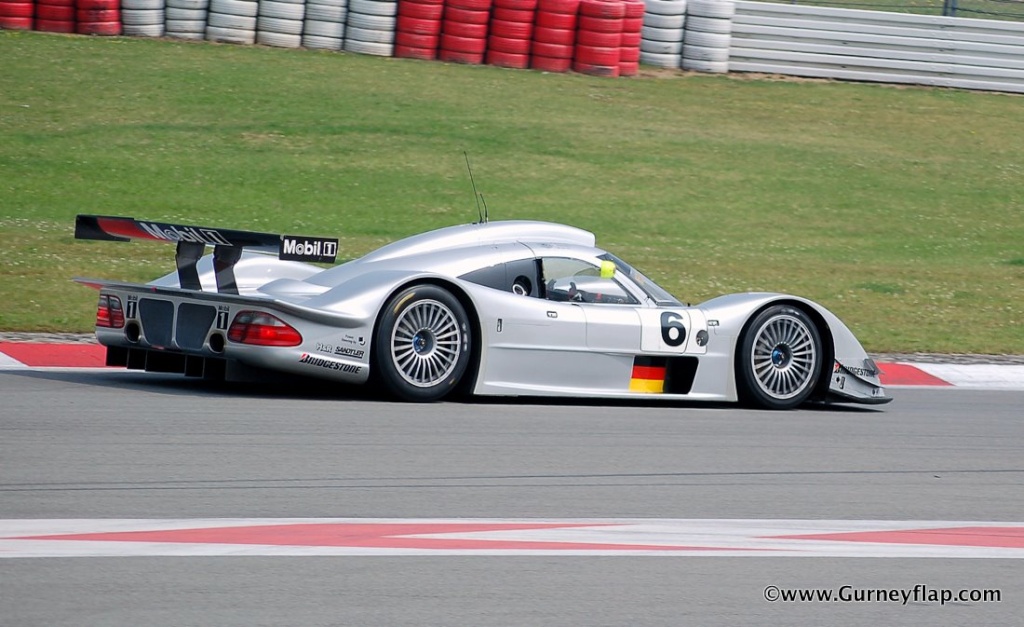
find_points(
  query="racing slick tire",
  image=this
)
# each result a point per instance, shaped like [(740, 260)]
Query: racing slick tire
[(779, 361), (423, 344)]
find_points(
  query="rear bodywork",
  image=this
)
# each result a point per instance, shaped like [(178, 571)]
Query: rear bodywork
[(641, 343)]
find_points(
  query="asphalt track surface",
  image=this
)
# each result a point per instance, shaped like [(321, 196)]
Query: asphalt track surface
[(114, 444)]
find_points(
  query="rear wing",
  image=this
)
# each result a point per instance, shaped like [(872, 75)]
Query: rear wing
[(192, 241)]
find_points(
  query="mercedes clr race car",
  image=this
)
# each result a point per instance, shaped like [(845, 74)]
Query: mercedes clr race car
[(510, 308)]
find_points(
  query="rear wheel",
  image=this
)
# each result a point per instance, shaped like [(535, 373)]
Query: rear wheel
[(423, 343), (779, 359)]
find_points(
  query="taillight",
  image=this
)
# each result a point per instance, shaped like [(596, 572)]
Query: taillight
[(262, 329), (109, 312)]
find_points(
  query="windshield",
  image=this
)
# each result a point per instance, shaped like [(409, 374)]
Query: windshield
[(652, 289)]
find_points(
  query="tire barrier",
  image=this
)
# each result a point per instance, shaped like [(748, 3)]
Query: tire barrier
[(98, 17), (511, 33), (464, 31), (370, 28), (324, 25), (142, 18), (632, 27), (232, 21), (280, 23), (55, 16), (16, 15), (599, 37), (418, 30), (708, 34), (661, 39), (186, 19), (554, 35)]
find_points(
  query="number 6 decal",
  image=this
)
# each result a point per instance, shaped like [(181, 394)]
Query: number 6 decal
[(673, 332)]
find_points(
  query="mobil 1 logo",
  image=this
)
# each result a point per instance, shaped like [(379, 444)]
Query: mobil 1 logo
[(300, 248)]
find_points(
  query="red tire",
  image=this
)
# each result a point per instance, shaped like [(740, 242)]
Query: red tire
[(554, 35), (629, 39), (591, 55), (98, 15), (472, 5), (628, 55), (454, 56), (97, 4), (553, 51), (508, 46), (571, 7), (634, 9), (629, 68), (58, 3), (551, 64), (16, 23), (418, 26), (55, 26), (98, 28), (596, 70), (598, 40), (416, 40), (17, 9), (507, 59), (55, 13), (600, 24), (560, 21), (411, 52), (466, 16), (603, 8), (466, 45), (632, 24), (511, 30), (420, 10), (512, 15), (517, 5), (462, 29)]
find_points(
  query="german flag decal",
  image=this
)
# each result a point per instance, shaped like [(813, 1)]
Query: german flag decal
[(648, 375)]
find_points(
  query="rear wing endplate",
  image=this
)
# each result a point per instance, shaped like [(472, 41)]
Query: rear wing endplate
[(192, 242)]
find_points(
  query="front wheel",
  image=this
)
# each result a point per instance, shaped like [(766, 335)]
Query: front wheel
[(779, 359), (423, 343)]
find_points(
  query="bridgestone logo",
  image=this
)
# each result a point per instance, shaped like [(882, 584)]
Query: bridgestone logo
[(185, 234), (330, 364)]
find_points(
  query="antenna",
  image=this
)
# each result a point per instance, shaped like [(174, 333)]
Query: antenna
[(482, 215)]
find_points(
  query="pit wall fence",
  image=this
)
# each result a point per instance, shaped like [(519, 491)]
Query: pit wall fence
[(597, 37)]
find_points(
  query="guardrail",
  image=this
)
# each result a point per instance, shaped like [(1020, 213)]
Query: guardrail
[(853, 44)]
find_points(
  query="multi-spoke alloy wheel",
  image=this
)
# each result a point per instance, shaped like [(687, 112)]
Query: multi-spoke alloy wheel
[(422, 343), (780, 360)]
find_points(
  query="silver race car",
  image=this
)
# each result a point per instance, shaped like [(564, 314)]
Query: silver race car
[(512, 308)]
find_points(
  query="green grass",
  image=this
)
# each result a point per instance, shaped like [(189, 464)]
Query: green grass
[(901, 209)]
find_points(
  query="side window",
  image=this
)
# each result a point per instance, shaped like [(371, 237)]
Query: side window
[(579, 281)]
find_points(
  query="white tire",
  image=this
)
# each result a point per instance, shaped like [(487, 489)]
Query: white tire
[(282, 10), (708, 24), (325, 13), (321, 43), (341, 4), (134, 17), (231, 35), (367, 47), (369, 35), (708, 40), (665, 7), (194, 5), (329, 30), (670, 61), (661, 47), (698, 65), (712, 8), (142, 5), (185, 26), (374, 7), (189, 36), (142, 30), (174, 13), (279, 40), (231, 22), (371, 22), (245, 8), (292, 1), (277, 25), (664, 21), (661, 34), (702, 53)]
